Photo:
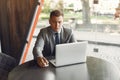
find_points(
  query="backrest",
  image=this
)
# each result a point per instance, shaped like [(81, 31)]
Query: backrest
[(0, 46), (7, 63)]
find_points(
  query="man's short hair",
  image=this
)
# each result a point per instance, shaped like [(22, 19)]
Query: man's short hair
[(56, 13)]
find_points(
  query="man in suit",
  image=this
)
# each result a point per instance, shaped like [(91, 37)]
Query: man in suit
[(46, 39)]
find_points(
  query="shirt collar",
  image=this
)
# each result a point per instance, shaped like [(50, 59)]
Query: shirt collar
[(58, 31)]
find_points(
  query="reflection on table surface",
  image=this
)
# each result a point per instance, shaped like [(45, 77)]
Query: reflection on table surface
[(73, 72), (93, 69)]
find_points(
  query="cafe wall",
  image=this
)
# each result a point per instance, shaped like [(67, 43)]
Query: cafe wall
[(15, 21)]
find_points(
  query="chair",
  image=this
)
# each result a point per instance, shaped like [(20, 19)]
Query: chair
[(7, 63), (0, 46)]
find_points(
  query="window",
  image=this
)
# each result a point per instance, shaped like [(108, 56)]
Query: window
[(92, 21)]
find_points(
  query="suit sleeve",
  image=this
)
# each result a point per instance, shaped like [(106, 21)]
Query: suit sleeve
[(39, 45), (72, 37)]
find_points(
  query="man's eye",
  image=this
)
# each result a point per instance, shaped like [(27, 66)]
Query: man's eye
[(59, 22)]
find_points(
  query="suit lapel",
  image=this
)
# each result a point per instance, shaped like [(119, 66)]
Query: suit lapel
[(51, 39), (62, 36)]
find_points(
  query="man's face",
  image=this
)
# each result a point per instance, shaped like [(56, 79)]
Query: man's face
[(56, 22)]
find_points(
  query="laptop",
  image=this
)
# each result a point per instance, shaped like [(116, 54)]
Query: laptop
[(70, 53)]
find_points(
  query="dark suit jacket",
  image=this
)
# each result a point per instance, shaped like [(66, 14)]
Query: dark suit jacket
[(45, 43)]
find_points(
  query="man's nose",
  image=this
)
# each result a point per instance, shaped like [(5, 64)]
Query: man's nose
[(57, 24)]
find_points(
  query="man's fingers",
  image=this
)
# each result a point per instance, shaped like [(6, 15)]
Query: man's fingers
[(42, 62), (45, 60)]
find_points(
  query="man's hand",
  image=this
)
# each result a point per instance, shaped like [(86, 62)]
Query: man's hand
[(42, 62)]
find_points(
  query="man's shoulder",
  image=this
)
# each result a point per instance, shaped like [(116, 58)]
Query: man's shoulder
[(67, 30), (45, 29)]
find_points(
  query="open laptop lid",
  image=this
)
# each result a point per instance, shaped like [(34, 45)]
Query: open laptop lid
[(70, 53)]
